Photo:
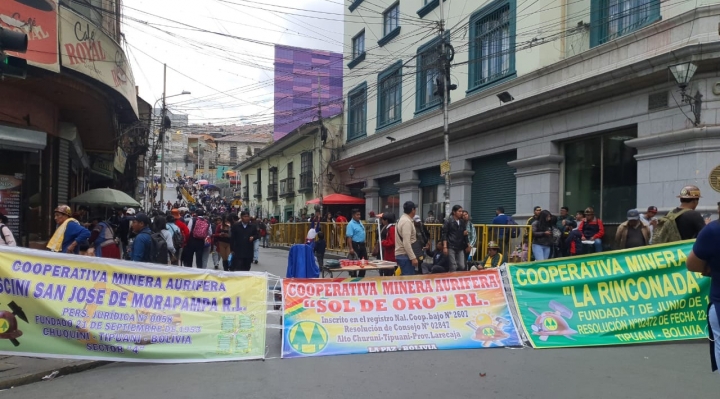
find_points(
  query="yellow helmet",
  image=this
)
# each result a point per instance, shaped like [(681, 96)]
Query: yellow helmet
[(690, 192)]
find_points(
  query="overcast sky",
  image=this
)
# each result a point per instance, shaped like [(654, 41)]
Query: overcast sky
[(242, 68)]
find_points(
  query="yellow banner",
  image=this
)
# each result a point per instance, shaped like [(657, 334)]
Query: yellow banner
[(60, 305)]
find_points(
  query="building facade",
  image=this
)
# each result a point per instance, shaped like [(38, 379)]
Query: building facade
[(558, 103), (281, 178), (305, 78), (236, 148), (74, 123)]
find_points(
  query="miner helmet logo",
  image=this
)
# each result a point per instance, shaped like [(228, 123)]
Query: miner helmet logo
[(690, 192), (308, 337), (550, 324)]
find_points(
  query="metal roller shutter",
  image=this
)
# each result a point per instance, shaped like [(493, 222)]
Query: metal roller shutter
[(63, 181), (387, 186), (494, 185), (430, 177)]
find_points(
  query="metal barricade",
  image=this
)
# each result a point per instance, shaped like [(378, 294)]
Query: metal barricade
[(514, 241)]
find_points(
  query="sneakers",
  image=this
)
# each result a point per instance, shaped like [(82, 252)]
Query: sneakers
[(255, 261)]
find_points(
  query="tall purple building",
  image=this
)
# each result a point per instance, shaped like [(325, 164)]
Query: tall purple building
[(296, 86)]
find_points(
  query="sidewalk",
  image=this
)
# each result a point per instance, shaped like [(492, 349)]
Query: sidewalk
[(17, 370)]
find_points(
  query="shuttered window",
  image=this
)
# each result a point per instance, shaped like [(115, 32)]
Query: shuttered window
[(430, 177), (493, 185), (387, 186)]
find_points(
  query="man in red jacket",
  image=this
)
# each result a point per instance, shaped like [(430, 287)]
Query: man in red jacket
[(592, 229), (183, 229)]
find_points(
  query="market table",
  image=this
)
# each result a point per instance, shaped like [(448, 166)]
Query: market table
[(339, 270)]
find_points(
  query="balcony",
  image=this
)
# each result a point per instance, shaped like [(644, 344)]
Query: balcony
[(245, 193), (287, 187), (306, 182), (272, 191), (257, 189)]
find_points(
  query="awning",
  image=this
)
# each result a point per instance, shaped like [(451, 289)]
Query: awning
[(13, 138), (338, 199)]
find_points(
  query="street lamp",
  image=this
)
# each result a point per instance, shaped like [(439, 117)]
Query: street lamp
[(351, 171), (683, 73)]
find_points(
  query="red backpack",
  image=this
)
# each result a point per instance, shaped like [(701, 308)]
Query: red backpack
[(200, 228)]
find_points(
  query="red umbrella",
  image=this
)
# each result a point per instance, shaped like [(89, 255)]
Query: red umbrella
[(338, 199)]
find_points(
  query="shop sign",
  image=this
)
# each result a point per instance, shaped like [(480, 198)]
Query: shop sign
[(88, 50), (120, 160), (102, 165), (39, 21)]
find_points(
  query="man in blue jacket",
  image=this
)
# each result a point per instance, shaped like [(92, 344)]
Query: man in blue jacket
[(142, 246)]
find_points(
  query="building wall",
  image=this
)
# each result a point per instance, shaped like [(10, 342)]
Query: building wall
[(223, 151), (280, 161), (296, 86), (572, 93)]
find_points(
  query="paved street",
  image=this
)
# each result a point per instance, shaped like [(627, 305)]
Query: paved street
[(645, 371)]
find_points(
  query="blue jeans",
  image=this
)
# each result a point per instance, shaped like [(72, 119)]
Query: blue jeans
[(598, 245), (541, 252), (256, 248), (406, 266), (715, 324)]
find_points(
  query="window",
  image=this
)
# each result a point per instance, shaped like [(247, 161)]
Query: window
[(389, 96), (610, 19), (391, 18), (427, 71), (492, 45), (306, 171), (358, 49), (601, 172), (357, 112), (428, 6), (354, 4), (306, 160), (290, 169), (233, 154)]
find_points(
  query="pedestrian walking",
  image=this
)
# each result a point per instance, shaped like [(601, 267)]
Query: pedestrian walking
[(705, 258), (160, 226), (455, 239), (632, 233), (355, 233), (242, 237), (683, 222), (200, 234), (102, 240), (405, 237), (542, 232), (141, 250)]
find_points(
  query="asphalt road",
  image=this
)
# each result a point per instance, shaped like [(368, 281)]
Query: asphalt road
[(642, 371)]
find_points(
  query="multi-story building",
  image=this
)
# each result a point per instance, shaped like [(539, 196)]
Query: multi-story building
[(558, 102), (74, 123), (305, 78), (235, 148), (279, 179)]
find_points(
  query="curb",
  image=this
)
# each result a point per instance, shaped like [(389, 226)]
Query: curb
[(26, 379)]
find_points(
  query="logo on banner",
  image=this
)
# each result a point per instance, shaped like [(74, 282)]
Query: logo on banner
[(308, 337)]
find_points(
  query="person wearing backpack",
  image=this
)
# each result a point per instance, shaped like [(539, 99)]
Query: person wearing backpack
[(682, 223), (5, 233), (141, 250), (199, 234), (160, 225), (102, 240)]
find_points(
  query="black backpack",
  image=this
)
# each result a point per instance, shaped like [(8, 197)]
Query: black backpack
[(158, 249)]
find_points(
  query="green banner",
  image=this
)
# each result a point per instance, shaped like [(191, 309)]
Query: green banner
[(621, 297)]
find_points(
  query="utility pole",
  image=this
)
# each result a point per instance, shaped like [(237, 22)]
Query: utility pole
[(320, 129), (444, 98), (162, 138)]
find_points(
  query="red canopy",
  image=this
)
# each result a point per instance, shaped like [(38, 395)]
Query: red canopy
[(338, 199)]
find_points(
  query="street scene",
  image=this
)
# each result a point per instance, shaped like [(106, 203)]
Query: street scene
[(406, 198)]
